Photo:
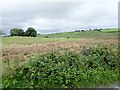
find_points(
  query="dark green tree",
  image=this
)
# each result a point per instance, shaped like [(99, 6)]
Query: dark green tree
[(21, 32), (17, 32), (31, 32), (14, 32)]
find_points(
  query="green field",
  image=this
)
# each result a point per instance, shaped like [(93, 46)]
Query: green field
[(69, 59), (66, 36), (114, 30), (105, 33)]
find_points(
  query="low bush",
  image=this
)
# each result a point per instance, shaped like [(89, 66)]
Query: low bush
[(46, 36), (65, 68), (102, 56)]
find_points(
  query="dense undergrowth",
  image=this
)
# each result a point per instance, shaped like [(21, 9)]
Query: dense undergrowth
[(63, 68)]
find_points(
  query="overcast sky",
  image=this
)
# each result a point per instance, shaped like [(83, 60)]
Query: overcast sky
[(58, 15)]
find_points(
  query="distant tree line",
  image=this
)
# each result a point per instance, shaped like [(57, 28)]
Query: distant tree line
[(98, 29), (20, 32), (88, 30)]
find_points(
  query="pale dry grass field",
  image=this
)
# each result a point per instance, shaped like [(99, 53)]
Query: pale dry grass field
[(21, 52)]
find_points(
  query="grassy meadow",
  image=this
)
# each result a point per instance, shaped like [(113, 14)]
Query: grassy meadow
[(70, 59), (105, 33)]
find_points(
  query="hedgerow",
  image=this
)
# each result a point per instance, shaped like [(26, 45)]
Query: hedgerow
[(65, 68)]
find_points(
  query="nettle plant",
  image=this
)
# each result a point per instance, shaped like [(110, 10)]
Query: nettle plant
[(64, 68), (103, 56)]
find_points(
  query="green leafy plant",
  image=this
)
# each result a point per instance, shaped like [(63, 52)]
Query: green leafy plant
[(64, 68)]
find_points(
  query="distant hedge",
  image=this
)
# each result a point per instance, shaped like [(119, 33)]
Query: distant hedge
[(65, 68)]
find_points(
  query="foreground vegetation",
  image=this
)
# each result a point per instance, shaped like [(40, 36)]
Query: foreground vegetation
[(70, 59), (91, 67)]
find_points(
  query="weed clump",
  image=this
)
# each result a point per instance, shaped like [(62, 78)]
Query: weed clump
[(65, 68)]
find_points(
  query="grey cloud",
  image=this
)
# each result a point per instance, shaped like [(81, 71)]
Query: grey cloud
[(29, 10), (49, 17)]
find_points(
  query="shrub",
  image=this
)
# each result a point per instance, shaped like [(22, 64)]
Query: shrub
[(77, 30), (46, 37), (104, 56), (65, 68), (82, 30), (68, 37)]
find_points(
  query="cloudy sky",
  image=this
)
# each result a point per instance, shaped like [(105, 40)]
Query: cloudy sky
[(58, 15)]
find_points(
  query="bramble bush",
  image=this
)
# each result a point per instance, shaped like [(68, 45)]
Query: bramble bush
[(65, 68)]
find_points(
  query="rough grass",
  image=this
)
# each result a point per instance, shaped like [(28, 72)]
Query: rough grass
[(25, 40), (22, 51)]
